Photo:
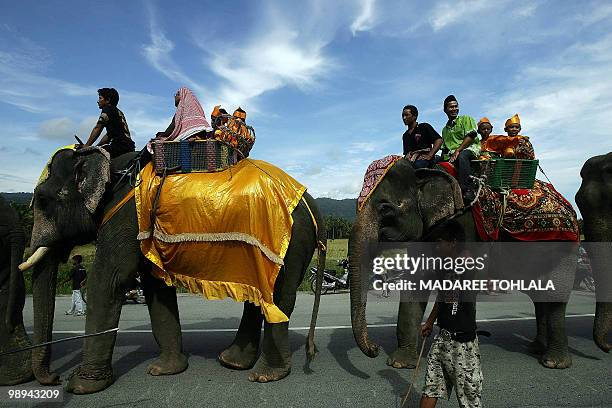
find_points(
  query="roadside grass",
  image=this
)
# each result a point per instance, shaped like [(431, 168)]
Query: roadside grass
[(337, 249), (86, 251)]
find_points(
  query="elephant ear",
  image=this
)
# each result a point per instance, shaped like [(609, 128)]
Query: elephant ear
[(92, 174), (439, 196)]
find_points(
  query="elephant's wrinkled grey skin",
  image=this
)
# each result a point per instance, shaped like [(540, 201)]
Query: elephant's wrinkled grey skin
[(14, 368), (78, 183), (594, 198), (404, 206)]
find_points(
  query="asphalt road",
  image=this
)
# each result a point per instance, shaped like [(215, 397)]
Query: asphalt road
[(340, 376)]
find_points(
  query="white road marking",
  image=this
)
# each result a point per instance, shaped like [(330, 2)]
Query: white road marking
[(522, 337), (504, 319)]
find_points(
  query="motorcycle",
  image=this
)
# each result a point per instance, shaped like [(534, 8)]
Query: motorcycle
[(136, 294), (584, 272), (330, 280)]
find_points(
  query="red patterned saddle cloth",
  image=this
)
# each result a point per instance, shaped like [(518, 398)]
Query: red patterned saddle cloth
[(537, 214), (374, 174)]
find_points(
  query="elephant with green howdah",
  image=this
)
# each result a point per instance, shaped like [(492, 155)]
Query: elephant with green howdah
[(15, 368), (594, 199), (404, 207), (68, 207)]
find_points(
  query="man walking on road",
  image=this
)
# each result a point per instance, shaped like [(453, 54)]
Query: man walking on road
[(78, 277)]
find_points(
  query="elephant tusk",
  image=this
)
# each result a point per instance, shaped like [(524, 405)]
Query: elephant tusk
[(34, 258)]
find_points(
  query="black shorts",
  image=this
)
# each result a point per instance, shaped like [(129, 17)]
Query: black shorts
[(116, 149)]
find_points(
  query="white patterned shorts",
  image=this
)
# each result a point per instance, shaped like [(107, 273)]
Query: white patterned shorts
[(453, 364)]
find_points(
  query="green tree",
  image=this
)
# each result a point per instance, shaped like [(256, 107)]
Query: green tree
[(27, 219), (337, 227)]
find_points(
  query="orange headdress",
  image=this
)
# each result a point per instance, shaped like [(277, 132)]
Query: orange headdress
[(484, 120), (513, 120), (239, 113)]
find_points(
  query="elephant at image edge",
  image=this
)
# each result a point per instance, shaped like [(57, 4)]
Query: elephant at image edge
[(594, 199), (403, 207), (67, 209), (14, 368)]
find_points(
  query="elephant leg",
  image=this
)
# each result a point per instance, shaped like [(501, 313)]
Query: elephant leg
[(16, 367), (409, 319), (538, 345), (556, 355), (242, 353), (275, 361), (166, 326), (115, 266)]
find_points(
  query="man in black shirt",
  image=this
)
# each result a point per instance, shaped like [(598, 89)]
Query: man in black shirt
[(421, 141), (454, 357), (117, 140), (78, 277)]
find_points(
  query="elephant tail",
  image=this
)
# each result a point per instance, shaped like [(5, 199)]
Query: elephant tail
[(311, 349)]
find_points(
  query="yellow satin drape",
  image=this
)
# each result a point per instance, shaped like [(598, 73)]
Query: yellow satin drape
[(221, 234)]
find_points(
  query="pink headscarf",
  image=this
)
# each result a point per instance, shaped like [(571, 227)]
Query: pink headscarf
[(189, 118)]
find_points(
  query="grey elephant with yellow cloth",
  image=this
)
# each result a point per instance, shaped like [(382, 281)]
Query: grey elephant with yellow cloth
[(247, 233)]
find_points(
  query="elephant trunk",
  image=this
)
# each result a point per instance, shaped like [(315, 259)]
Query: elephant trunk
[(362, 233), (43, 288), (16, 294)]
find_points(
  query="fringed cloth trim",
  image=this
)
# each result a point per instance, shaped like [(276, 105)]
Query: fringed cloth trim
[(217, 290), (109, 214), (212, 237)]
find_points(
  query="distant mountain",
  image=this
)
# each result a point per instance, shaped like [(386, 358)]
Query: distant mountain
[(18, 198), (328, 206), (338, 208)]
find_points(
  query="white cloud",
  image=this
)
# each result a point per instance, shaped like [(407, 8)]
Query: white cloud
[(284, 50), (158, 53), (564, 104), (279, 58), (447, 13), (366, 18), (21, 84), (526, 10), (60, 128)]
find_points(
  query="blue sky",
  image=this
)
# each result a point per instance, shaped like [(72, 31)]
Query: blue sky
[(322, 82)]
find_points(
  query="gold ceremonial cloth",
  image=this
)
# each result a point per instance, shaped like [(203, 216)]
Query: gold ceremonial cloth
[(221, 234)]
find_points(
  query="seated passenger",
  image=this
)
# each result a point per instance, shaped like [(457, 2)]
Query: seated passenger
[(117, 140), (234, 132), (513, 146), (513, 125), (189, 119), (461, 142), (421, 141), (240, 114), (484, 128), (218, 117)]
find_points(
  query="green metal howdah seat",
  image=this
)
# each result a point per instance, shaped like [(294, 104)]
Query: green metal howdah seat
[(503, 173)]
